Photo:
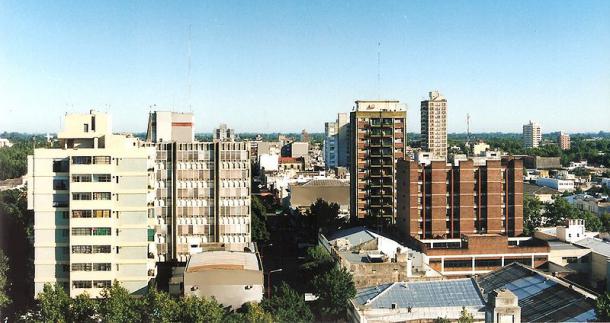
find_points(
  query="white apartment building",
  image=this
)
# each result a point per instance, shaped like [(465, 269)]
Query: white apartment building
[(557, 184), (336, 142), (91, 197), (532, 135), (330, 144), (434, 125)]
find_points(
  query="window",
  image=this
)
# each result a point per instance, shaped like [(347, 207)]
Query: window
[(81, 196), (571, 260), (81, 284), (101, 231), (101, 195), (81, 160), (60, 184), (78, 178), (81, 213), (101, 283), (102, 267), (60, 166), (81, 231), (458, 263), (103, 178), (103, 160), (81, 249), (81, 267), (101, 213), (151, 235), (85, 127), (100, 249)]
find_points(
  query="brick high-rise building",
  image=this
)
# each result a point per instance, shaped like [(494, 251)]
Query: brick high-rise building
[(532, 135), (441, 200), (434, 125), (564, 140), (378, 139)]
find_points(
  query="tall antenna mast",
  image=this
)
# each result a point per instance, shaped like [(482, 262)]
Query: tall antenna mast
[(467, 129), (189, 73), (379, 70)]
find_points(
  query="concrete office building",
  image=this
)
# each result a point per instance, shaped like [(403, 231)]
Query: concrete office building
[(202, 197), (532, 135), (563, 139), (223, 133), (92, 217), (444, 200), (166, 126), (337, 141), (378, 138), (434, 125)]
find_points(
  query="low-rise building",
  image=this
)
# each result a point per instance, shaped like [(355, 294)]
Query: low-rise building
[(291, 163), (303, 195), (231, 277), (593, 204), (537, 162), (5, 143), (374, 259), (560, 185), (542, 193)]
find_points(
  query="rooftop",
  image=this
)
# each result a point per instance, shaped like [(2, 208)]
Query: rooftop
[(326, 182), (443, 293), (596, 245), (232, 260), (355, 235), (560, 245), (532, 189), (542, 298)]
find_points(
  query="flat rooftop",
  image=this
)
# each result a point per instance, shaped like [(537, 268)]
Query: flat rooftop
[(231, 260)]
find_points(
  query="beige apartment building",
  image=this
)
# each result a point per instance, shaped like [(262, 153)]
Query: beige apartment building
[(91, 196), (434, 125), (563, 139), (378, 139), (202, 193), (532, 135)]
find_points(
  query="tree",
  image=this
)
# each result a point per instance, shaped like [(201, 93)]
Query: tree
[(254, 313), (557, 212), (53, 303), (324, 217), (4, 299), (441, 320), (118, 306), (160, 307), (286, 305), (532, 214), (260, 233), (465, 316), (195, 309), (334, 289), (83, 309), (602, 308)]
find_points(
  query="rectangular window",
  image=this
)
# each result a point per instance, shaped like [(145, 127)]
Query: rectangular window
[(101, 196), (81, 196), (81, 267), (81, 249), (60, 184), (60, 166), (102, 283), (81, 178), (101, 160), (81, 213), (101, 231), (102, 178), (151, 235), (101, 213), (81, 284), (102, 267), (101, 249), (81, 160), (81, 231)]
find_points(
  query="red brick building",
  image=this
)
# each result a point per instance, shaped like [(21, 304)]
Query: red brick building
[(441, 200)]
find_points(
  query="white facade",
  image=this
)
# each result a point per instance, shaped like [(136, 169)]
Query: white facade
[(330, 144), (479, 148), (573, 232), (91, 208), (336, 142), (269, 162), (434, 125), (557, 184), (532, 135)]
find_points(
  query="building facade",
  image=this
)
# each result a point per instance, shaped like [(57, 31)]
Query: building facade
[(563, 139), (166, 126), (330, 144), (532, 135), (434, 125), (378, 135), (92, 217), (337, 142), (224, 133), (441, 200)]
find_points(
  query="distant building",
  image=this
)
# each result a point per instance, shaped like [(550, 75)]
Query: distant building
[(231, 277), (537, 162), (5, 143), (564, 141), (593, 204), (480, 148), (165, 126), (336, 142), (224, 133), (290, 163), (330, 144), (434, 125), (556, 184), (303, 195), (298, 149), (542, 193), (532, 135), (269, 162), (379, 135)]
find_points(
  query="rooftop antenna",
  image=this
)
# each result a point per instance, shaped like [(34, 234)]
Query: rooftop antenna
[(467, 129), (189, 72), (379, 70)]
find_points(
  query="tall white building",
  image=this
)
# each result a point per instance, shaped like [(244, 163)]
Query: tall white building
[(532, 135), (434, 125), (92, 200), (224, 133), (337, 141)]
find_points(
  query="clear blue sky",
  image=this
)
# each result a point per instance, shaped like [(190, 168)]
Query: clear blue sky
[(288, 65)]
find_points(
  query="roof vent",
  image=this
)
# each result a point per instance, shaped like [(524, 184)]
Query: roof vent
[(394, 306)]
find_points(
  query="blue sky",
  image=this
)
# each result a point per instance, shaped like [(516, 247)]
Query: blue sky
[(292, 65)]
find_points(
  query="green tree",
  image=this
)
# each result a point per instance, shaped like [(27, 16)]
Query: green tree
[(557, 212), (317, 261), (602, 308), (4, 299), (254, 313), (117, 305), (53, 303), (334, 289), (195, 309), (160, 307), (441, 320), (324, 217), (287, 305), (465, 316), (83, 309), (532, 214), (605, 219), (260, 232)]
